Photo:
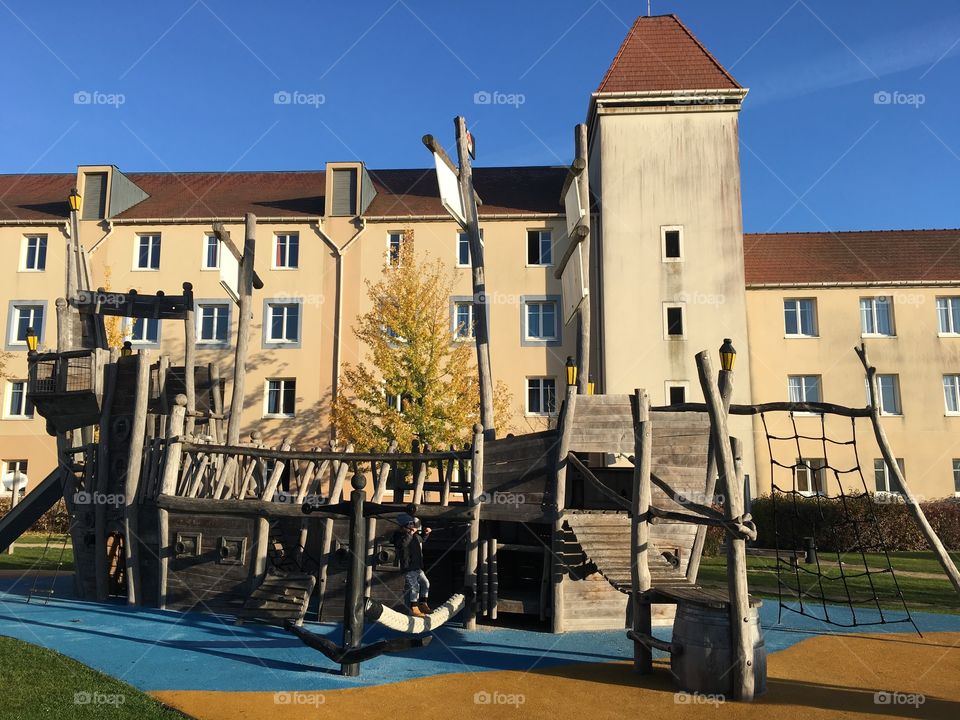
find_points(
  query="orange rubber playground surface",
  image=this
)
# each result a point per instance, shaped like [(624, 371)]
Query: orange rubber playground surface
[(209, 668)]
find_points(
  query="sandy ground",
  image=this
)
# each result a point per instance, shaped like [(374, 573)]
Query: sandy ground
[(820, 677)]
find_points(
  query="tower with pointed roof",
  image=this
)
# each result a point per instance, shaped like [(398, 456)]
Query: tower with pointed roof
[(665, 172)]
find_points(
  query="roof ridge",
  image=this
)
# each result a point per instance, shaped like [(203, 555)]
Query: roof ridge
[(849, 232), (616, 57), (709, 54)]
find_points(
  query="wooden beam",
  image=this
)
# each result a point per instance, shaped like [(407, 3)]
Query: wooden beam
[(640, 580), (223, 235), (131, 486), (109, 370), (190, 356), (476, 499), (336, 456), (243, 330), (805, 407), (168, 484)]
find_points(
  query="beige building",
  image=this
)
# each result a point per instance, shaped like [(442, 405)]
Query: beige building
[(671, 273)]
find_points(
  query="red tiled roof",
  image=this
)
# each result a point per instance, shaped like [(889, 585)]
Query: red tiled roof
[(505, 191), (851, 257), (660, 53)]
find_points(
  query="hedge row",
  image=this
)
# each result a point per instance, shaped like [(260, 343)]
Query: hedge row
[(54, 520), (858, 521)]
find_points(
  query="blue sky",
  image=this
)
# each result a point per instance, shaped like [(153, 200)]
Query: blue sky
[(191, 85)]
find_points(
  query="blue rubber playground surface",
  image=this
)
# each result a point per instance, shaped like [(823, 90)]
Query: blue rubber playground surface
[(157, 650)]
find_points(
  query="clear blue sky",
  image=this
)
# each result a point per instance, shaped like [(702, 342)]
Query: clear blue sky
[(198, 80)]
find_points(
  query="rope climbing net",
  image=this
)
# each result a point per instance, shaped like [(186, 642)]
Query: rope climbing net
[(827, 500)]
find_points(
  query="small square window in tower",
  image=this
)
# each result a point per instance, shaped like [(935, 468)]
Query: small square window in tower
[(671, 244), (678, 395), (675, 322)]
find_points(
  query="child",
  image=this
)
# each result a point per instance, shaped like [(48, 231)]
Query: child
[(409, 543)]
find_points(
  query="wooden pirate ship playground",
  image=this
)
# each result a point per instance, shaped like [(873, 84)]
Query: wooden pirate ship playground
[(171, 508)]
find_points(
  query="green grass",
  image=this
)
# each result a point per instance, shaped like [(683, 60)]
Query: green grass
[(28, 558), (41, 537), (927, 594), (39, 683)]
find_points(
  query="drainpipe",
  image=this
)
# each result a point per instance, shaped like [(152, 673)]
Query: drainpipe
[(338, 252)]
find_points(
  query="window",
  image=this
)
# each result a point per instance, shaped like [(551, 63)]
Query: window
[(541, 396), (541, 320), (211, 252), (673, 322), (804, 388), (800, 317), (286, 255), (22, 318), (676, 394), (34, 253), (956, 476), (876, 316), (213, 322), (885, 480), (463, 250), (539, 247), (18, 405), (148, 252), (671, 240), (810, 476), (463, 327), (144, 331), (889, 389), (281, 397), (948, 315), (394, 401), (283, 322), (951, 393), (394, 247)]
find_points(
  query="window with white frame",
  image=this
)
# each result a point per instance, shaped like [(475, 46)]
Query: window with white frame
[(539, 247), (876, 316), (948, 315), (144, 331), (804, 388), (674, 321), (211, 252), (677, 392), (148, 252), (213, 322), (394, 248), (956, 476), (15, 469), (463, 327), (884, 479), (34, 254), (283, 322), (23, 317), (951, 394), (800, 317), (17, 404), (286, 251), (810, 476), (394, 401), (463, 250), (671, 242), (888, 387), (281, 397), (540, 320), (541, 396)]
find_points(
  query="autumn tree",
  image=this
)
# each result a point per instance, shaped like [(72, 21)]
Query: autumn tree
[(417, 383), (112, 323)]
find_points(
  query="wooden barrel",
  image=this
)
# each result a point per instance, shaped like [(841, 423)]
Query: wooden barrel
[(704, 663)]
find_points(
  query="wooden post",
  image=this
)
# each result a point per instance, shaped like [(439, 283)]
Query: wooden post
[(14, 499), (336, 489), (447, 481), (725, 381), (493, 578), (168, 484), (190, 356), (245, 311), (478, 276), (909, 500), (583, 343), (641, 620), (560, 500), (353, 605), (213, 372), (64, 340), (473, 543), (131, 487), (422, 470), (741, 641), (103, 473), (261, 539), (379, 488)]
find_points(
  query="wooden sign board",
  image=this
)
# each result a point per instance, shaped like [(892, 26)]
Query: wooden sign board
[(571, 203), (572, 284), (229, 273), (449, 190)]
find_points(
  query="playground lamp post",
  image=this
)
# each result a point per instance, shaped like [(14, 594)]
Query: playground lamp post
[(728, 355), (32, 342), (127, 349), (591, 384), (571, 372)]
